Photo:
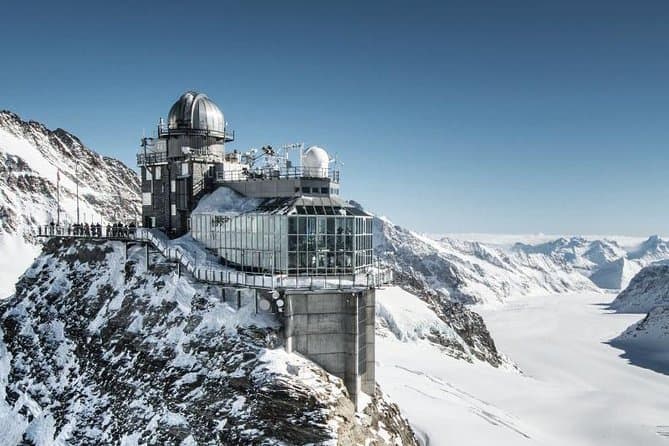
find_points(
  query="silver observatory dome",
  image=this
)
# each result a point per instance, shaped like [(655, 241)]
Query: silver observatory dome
[(195, 111)]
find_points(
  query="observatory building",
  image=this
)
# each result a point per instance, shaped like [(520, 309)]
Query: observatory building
[(277, 219)]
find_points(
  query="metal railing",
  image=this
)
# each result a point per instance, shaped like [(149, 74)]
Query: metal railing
[(151, 158), (204, 270), (227, 135), (264, 173)]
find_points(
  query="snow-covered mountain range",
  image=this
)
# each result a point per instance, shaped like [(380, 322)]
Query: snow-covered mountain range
[(31, 156), (476, 272)]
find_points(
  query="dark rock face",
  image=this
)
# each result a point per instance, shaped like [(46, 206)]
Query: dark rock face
[(471, 328), (100, 350)]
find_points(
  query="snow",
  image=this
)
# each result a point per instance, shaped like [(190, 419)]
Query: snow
[(647, 290), (651, 333), (237, 405), (17, 256), (508, 240), (493, 268), (575, 388), (408, 317), (224, 200)]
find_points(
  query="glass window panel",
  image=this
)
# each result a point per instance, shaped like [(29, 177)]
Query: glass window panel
[(340, 223), (292, 225), (311, 243), (349, 225), (311, 225), (322, 225)]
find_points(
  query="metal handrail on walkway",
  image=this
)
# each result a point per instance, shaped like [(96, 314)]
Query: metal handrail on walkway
[(218, 274)]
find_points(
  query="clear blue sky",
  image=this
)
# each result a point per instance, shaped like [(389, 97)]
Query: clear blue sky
[(509, 117)]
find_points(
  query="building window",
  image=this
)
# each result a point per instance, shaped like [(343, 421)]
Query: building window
[(324, 190), (159, 171), (146, 199), (306, 190)]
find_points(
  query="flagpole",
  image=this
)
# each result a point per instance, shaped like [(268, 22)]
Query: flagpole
[(58, 197), (76, 176)]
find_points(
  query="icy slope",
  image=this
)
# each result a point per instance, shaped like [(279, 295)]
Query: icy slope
[(648, 289), (30, 157), (454, 329), (96, 350)]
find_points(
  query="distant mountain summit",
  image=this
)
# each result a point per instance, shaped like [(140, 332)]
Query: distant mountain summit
[(31, 157)]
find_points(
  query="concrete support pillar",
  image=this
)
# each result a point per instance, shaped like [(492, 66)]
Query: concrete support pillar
[(335, 329)]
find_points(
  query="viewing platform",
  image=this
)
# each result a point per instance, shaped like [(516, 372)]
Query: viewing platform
[(266, 173), (224, 135), (206, 267)]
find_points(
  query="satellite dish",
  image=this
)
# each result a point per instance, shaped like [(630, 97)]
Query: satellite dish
[(264, 305)]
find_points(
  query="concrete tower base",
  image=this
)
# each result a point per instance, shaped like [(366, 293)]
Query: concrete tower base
[(335, 329)]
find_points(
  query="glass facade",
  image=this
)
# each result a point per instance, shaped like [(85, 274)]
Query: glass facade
[(304, 245)]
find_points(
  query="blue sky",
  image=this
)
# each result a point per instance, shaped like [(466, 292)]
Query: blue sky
[(514, 117)]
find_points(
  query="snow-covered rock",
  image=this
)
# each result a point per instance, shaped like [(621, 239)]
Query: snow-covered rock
[(97, 349), (615, 274), (646, 342), (652, 332), (224, 200), (647, 290), (30, 158), (456, 330)]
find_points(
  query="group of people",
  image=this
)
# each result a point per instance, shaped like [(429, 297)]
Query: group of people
[(116, 230)]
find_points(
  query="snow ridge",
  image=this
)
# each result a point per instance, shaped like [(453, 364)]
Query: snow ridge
[(474, 272)]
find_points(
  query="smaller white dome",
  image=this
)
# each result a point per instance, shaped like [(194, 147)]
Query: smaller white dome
[(315, 162)]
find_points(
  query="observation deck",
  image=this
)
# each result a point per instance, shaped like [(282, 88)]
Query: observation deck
[(164, 131), (267, 173)]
